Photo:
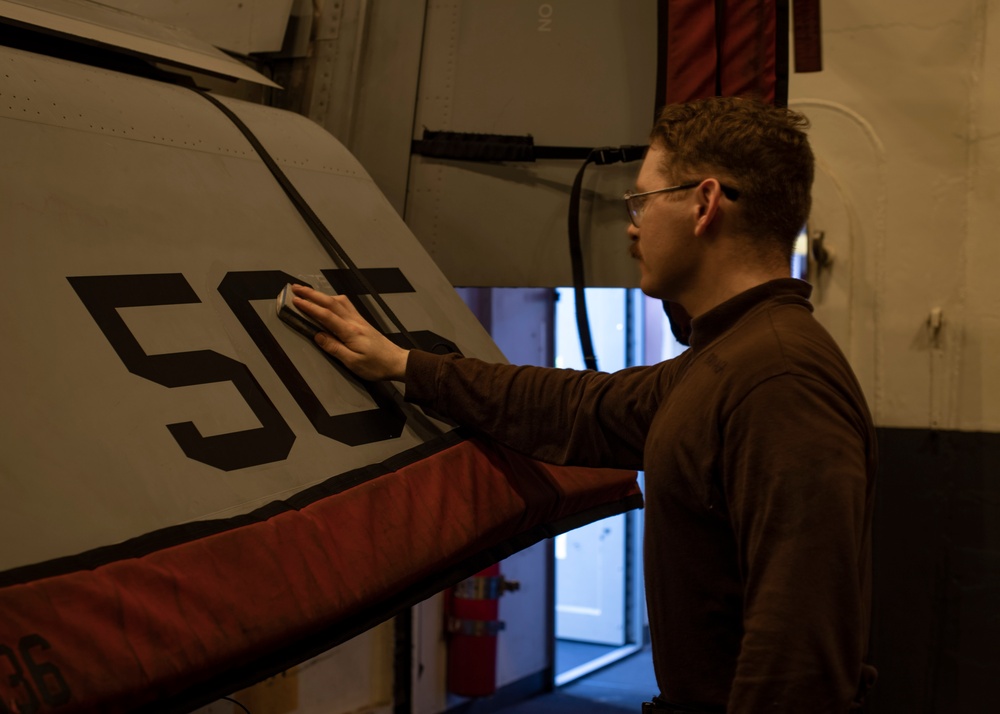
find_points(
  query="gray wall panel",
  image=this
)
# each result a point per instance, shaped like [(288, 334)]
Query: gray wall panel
[(569, 74)]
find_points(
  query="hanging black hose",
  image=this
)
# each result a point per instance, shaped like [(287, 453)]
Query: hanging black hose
[(601, 157), (499, 147)]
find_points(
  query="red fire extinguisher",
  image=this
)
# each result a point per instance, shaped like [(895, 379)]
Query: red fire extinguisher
[(472, 612)]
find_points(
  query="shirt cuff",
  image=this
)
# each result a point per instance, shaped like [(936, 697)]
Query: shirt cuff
[(422, 376)]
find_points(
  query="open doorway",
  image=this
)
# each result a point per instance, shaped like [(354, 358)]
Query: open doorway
[(600, 613), (598, 609)]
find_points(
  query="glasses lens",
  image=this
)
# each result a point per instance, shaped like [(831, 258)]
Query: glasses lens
[(633, 204)]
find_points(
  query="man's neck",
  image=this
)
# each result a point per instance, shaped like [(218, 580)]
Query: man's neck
[(715, 289)]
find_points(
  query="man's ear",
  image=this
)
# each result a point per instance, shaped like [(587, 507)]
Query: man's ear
[(708, 194)]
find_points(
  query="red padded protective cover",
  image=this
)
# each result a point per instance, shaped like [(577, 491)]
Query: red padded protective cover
[(164, 620)]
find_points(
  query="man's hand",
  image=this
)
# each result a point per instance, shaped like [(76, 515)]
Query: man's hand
[(348, 337)]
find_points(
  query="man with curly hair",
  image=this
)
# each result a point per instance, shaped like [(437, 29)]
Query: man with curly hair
[(757, 445)]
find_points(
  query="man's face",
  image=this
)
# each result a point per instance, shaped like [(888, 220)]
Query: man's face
[(664, 245)]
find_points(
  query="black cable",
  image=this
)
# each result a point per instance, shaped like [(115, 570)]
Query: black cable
[(466, 146), (601, 157), (576, 263), (336, 252), (230, 699)]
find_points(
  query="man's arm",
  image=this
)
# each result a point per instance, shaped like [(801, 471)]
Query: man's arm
[(559, 416)]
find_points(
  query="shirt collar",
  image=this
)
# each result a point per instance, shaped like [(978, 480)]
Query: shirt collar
[(708, 326)]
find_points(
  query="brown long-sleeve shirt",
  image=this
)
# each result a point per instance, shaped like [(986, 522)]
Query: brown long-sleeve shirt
[(760, 461)]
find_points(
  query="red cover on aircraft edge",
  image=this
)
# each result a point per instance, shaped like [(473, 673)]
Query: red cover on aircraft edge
[(163, 622)]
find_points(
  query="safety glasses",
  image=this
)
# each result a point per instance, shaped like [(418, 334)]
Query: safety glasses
[(635, 203)]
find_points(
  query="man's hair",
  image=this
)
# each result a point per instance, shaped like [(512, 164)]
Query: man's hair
[(760, 149)]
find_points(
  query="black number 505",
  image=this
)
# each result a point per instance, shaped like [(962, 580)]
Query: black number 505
[(102, 295)]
